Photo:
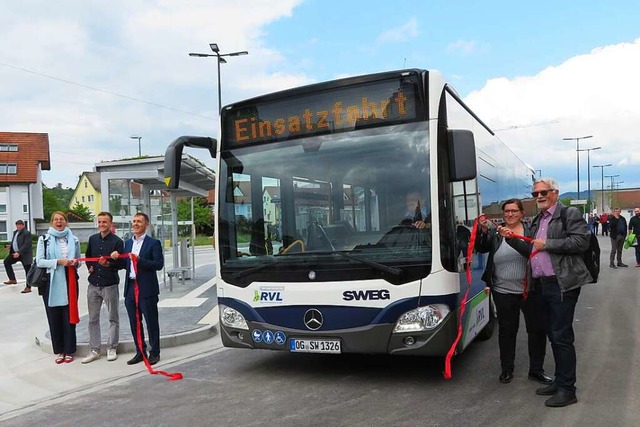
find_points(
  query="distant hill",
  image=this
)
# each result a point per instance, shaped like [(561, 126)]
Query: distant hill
[(574, 195)]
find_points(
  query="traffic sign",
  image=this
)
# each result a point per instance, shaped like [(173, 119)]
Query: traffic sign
[(578, 202)]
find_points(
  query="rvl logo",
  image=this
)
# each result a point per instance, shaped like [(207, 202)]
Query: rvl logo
[(265, 296)]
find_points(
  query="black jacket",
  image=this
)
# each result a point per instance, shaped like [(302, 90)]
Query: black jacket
[(617, 226), (97, 246)]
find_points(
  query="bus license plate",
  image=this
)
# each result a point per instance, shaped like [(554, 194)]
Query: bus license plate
[(315, 346)]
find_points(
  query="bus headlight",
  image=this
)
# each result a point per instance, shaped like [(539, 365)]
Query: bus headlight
[(232, 318), (422, 318)]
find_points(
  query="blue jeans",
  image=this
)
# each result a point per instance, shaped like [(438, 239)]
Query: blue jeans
[(560, 309)]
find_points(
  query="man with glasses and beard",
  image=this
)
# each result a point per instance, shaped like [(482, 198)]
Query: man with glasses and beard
[(561, 236)]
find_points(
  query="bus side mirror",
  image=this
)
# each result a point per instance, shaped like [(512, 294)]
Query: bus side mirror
[(173, 156), (462, 155)]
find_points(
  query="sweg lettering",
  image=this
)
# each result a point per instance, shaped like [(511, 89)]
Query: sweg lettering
[(267, 296), (248, 129), (366, 295)]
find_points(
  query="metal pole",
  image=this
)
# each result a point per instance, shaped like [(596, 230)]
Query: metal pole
[(219, 86), (602, 187), (578, 164)]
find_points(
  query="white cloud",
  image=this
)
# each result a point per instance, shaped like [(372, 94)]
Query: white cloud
[(465, 47), (138, 49), (405, 32), (592, 94)]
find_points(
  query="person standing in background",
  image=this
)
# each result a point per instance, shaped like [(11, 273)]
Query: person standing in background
[(634, 227), (617, 232), (19, 251)]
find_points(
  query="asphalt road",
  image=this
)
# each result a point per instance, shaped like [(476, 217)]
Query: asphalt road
[(240, 387)]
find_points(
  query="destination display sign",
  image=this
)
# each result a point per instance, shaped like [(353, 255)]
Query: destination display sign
[(346, 108)]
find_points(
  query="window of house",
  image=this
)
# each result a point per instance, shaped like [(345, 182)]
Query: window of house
[(25, 202), (82, 199), (85, 184), (90, 198), (8, 147), (8, 168), (3, 230)]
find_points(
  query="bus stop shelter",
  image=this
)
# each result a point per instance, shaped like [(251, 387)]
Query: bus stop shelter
[(137, 185)]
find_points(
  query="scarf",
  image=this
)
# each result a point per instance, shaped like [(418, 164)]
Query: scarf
[(58, 290)]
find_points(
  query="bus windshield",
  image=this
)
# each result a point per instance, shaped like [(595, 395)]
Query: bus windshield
[(344, 206)]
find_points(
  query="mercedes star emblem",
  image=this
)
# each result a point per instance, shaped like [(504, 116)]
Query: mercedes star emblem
[(313, 319)]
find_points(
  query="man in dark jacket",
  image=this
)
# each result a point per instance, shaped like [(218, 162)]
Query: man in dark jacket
[(103, 287), (617, 232), (634, 227), (561, 236), (19, 251)]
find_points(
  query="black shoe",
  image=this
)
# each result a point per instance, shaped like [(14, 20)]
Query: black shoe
[(622, 265), (561, 398), (153, 359), (506, 377), (135, 359), (541, 377), (612, 265), (549, 390)]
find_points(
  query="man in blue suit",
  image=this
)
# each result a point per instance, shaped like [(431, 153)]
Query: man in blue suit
[(150, 260)]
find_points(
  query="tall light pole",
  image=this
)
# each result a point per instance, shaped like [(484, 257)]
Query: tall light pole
[(602, 182), (139, 145), (611, 186), (589, 150), (578, 155), (216, 52)]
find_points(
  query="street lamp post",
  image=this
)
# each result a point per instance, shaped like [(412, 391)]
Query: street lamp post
[(611, 186), (589, 150), (139, 145), (602, 182), (216, 52), (578, 155)]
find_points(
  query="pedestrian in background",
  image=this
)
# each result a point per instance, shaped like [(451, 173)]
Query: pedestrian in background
[(150, 260), (604, 220), (505, 275), (62, 247), (561, 236), (634, 227), (19, 251), (103, 287), (617, 232)]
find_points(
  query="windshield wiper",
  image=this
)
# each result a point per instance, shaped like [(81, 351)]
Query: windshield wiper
[(375, 265), (253, 270)]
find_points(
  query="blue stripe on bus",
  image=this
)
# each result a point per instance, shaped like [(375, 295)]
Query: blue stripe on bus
[(334, 317)]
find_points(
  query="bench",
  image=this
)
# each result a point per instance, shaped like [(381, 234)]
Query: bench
[(178, 272)]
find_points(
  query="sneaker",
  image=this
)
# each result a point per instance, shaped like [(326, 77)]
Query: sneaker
[(622, 265), (94, 355), (112, 354)]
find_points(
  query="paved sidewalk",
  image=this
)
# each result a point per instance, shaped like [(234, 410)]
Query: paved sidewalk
[(188, 317)]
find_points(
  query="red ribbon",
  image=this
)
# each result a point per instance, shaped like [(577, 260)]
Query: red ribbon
[(136, 293), (463, 303), (74, 316)]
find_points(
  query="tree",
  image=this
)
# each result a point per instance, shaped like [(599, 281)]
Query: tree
[(52, 201), (82, 211), (202, 214)]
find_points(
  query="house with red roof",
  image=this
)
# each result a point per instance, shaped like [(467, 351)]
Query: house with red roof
[(23, 157)]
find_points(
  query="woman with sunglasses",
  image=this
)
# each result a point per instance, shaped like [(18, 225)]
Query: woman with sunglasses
[(505, 277)]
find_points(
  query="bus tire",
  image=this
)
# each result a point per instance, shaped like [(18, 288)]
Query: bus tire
[(487, 331)]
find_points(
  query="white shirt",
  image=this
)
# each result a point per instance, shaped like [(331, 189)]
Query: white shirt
[(135, 249)]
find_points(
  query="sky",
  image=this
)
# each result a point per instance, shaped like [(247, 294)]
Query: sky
[(92, 74)]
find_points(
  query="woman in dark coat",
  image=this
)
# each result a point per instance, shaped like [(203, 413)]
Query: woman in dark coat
[(505, 276)]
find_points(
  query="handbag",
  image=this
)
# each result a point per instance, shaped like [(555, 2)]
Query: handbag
[(37, 276), (630, 241)]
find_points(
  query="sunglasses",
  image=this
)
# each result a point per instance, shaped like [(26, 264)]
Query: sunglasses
[(543, 193)]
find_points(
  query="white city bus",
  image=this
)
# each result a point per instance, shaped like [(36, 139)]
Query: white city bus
[(318, 250)]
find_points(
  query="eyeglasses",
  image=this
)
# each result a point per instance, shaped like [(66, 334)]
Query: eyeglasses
[(511, 211), (543, 193)]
